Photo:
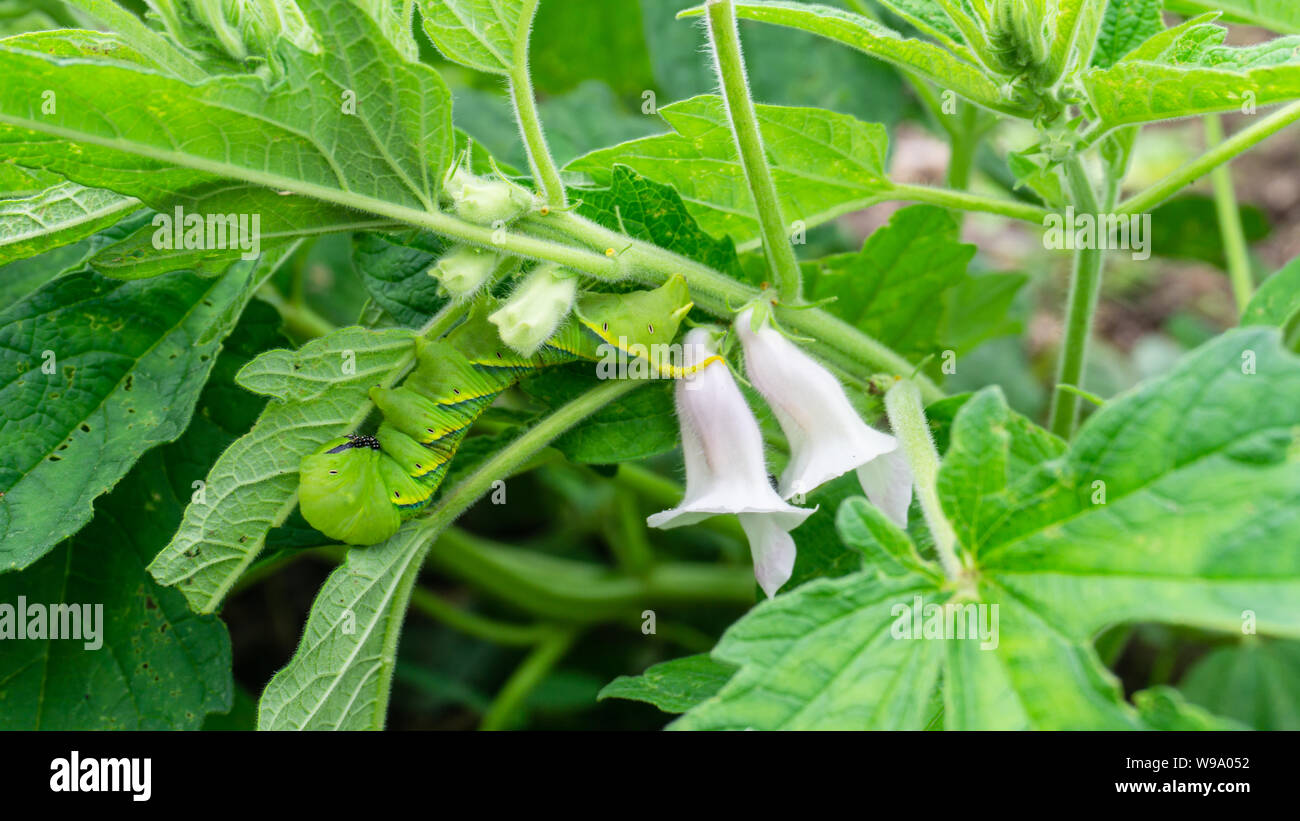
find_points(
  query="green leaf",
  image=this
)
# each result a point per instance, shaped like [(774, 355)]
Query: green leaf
[(1201, 484), (338, 678), (104, 371), (1282, 16), (1078, 25), (928, 16), (980, 308), (60, 215), (864, 527), (1164, 708), (22, 277), (893, 288), (584, 119), (822, 657), (297, 136), (649, 211), (159, 666), (487, 35), (824, 164), (1255, 682), (253, 486), (1187, 227), (1187, 71), (1127, 24), (637, 426), (395, 271), (1277, 302), (926, 59), (577, 42), (673, 686)]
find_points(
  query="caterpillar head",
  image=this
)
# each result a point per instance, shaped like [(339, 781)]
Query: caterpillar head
[(637, 318), (342, 492)]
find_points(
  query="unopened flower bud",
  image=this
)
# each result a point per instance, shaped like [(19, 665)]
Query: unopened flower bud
[(485, 201), (536, 308), (464, 270)]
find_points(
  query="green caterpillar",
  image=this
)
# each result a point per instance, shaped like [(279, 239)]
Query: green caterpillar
[(359, 489)]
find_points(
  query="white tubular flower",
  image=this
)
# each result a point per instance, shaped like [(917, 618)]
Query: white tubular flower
[(827, 437), (725, 471), (536, 308)]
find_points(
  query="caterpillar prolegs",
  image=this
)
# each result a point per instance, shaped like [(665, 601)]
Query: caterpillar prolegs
[(359, 489)]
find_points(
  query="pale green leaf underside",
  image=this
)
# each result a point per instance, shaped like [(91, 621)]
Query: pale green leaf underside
[(254, 485), (824, 164), (60, 215), (927, 59), (481, 34), (155, 137), (338, 677)]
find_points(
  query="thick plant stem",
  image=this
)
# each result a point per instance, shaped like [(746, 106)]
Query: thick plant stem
[(963, 141), (839, 342), (526, 678), (545, 171), (964, 201), (907, 419), (1085, 284), (1234, 237), (730, 65), (1238, 143)]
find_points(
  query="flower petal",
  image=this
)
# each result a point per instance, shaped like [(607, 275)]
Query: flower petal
[(887, 481), (772, 548)]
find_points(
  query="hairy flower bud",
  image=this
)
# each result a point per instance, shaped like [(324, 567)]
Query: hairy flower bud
[(536, 308), (463, 270), (485, 201)]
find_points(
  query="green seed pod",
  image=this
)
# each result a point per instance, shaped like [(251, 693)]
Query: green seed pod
[(536, 308), (464, 270)]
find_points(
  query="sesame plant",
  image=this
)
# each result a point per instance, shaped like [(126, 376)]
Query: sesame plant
[(594, 381)]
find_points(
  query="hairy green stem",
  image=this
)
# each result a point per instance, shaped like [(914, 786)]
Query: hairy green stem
[(838, 342), (1085, 285), (964, 141), (1234, 238), (1238, 143), (730, 65), (907, 420), (526, 677), (968, 202), (545, 171), (299, 319)]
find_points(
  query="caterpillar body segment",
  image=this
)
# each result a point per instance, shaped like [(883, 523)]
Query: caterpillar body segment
[(359, 489)]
